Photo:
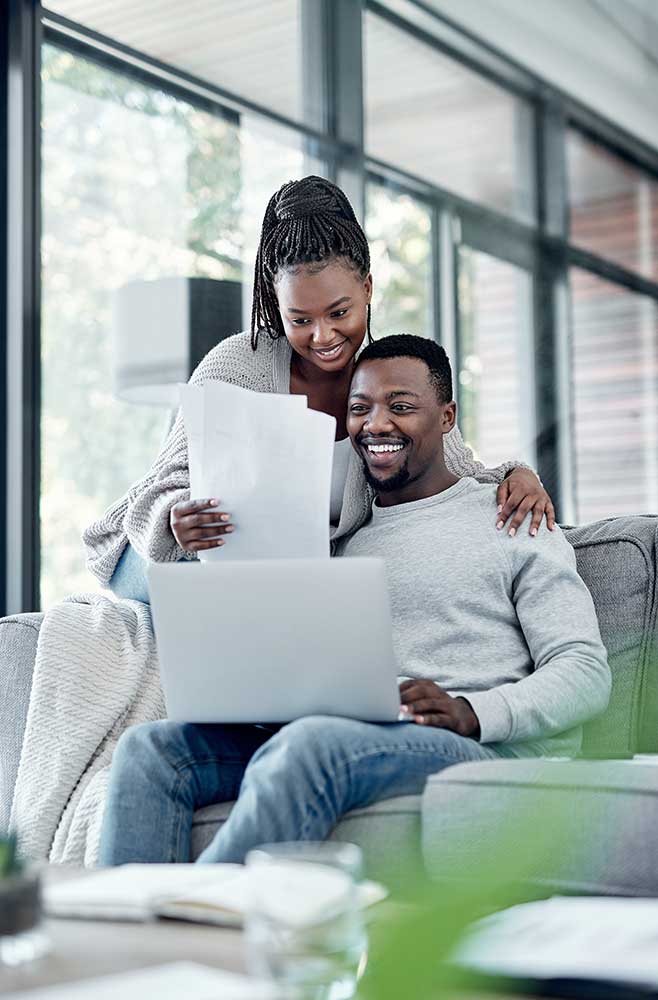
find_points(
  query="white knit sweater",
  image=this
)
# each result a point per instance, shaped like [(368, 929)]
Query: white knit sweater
[(141, 516)]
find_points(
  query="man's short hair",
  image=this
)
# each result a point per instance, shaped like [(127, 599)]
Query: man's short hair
[(406, 345)]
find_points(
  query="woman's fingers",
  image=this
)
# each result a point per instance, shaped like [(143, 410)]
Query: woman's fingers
[(520, 514), (513, 500), (214, 543), (502, 493), (537, 514), (550, 515)]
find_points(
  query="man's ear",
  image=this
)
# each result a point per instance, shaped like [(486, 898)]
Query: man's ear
[(448, 417)]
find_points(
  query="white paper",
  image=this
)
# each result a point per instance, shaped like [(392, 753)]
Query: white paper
[(127, 892), (217, 894), (597, 938), (174, 981), (267, 458)]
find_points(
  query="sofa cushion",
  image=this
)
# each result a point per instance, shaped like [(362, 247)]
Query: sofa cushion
[(602, 815), (617, 560), (388, 832)]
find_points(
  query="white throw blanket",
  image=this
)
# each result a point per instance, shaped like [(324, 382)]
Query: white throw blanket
[(96, 673)]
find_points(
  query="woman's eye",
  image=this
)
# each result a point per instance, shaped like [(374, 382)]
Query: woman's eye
[(338, 314), (299, 322)]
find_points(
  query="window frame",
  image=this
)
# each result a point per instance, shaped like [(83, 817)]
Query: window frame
[(332, 40)]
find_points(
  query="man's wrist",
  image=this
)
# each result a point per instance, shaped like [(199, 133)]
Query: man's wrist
[(472, 721)]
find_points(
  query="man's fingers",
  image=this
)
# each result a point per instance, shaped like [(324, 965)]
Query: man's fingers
[(417, 690), (423, 705), (436, 719)]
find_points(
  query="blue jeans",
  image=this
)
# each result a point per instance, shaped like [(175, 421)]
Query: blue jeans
[(291, 784)]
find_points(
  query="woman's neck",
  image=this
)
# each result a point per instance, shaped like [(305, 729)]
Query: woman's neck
[(326, 391)]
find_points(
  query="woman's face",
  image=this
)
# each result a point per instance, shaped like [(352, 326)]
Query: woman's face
[(324, 314)]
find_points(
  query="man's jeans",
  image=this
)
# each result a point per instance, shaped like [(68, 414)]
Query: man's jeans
[(293, 784)]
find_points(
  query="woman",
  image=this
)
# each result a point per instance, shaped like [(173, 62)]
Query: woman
[(310, 317)]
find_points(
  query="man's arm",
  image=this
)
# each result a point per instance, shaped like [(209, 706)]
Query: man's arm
[(571, 682)]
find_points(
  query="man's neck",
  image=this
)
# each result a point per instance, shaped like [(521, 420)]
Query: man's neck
[(430, 486)]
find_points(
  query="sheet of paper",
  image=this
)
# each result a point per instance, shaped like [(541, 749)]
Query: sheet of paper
[(597, 938), (174, 981), (268, 459), (127, 892)]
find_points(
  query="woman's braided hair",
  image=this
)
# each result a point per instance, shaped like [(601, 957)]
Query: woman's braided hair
[(306, 222)]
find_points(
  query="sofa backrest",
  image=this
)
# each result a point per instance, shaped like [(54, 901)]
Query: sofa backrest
[(617, 560)]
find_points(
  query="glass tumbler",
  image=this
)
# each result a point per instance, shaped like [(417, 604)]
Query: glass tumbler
[(304, 926)]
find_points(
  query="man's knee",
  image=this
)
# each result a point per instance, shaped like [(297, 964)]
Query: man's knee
[(314, 740), (147, 741)]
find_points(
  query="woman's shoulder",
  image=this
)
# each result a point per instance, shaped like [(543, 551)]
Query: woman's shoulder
[(234, 360)]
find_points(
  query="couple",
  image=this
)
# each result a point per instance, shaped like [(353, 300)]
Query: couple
[(502, 623), (497, 635)]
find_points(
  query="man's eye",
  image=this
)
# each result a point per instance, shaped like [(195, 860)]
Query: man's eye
[(401, 408), (358, 408)]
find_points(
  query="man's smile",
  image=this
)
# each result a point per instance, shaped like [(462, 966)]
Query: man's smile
[(380, 453)]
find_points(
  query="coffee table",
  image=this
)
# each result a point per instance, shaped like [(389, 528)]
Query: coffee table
[(81, 949)]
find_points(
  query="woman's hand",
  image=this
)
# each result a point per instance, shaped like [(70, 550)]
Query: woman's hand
[(196, 525), (429, 705), (520, 492)]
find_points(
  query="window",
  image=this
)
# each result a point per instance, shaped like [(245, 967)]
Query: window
[(615, 398), (436, 119), (250, 48), (495, 377), (613, 206), (137, 184), (399, 233)]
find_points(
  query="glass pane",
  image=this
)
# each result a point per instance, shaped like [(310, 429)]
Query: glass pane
[(614, 206), (496, 398), (615, 387), (399, 232), (137, 186), (250, 48), (438, 120)]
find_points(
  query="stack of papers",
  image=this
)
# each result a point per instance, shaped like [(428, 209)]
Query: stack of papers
[(268, 459), (213, 894), (601, 939)]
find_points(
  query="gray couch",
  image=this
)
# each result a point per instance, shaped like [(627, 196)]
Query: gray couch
[(608, 807)]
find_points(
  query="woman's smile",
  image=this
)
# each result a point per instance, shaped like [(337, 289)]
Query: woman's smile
[(330, 353)]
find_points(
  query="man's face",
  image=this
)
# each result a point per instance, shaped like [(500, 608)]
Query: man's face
[(396, 423)]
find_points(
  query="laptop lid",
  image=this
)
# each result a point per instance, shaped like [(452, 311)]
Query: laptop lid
[(273, 640)]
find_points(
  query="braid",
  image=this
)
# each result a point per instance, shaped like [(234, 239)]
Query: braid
[(306, 222)]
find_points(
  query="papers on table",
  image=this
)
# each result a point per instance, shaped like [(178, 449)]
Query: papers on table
[(268, 459), (214, 894), (589, 938), (174, 981)]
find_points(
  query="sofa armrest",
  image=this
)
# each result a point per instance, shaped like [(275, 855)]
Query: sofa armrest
[(18, 646)]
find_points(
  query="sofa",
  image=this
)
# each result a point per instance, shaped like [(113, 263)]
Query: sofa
[(607, 799)]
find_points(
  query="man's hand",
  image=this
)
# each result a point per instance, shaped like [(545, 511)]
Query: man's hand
[(198, 525), (519, 493), (428, 705)]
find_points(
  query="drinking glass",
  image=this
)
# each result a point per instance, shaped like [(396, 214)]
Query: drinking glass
[(304, 926)]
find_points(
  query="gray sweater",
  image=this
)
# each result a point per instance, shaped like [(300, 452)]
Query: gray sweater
[(141, 516), (506, 622)]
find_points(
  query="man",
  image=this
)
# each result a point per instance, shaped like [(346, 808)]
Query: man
[(496, 636)]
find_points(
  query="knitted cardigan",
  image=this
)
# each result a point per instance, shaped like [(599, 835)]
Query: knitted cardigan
[(141, 516)]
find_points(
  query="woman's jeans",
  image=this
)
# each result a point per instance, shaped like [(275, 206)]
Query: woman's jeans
[(290, 784)]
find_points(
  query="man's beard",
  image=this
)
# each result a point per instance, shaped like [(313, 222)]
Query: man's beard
[(394, 482)]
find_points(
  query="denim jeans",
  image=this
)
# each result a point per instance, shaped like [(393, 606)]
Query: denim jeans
[(290, 784)]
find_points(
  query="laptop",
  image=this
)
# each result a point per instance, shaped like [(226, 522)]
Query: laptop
[(273, 640)]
